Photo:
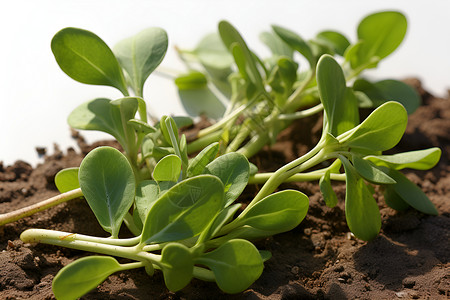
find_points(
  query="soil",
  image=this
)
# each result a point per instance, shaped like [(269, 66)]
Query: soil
[(320, 259)]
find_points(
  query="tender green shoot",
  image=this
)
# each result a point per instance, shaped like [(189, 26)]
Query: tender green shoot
[(185, 228)]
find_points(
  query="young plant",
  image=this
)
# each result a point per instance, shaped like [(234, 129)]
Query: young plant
[(85, 57), (358, 148), (265, 96), (178, 218)]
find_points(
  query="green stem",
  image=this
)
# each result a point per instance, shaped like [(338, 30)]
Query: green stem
[(240, 137), (40, 206), (303, 113), (129, 222), (310, 176), (222, 122), (69, 241), (284, 173), (87, 238), (204, 274), (133, 265)]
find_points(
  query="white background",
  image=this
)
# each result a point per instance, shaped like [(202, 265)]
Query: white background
[(36, 96)]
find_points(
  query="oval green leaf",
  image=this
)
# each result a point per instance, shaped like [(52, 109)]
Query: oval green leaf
[(184, 210), (278, 212), (167, 169), (105, 115), (231, 38), (296, 42), (200, 161), (419, 159), (380, 131), (141, 54), (411, 193), (233, 170), (389, 90), (108, 184), (339, 103), (393, 200), (177, 266), (335, 40), (193, 80), (67, 180), (329, 196), (236, 265), (86, 58), (83, 275), (146, 195), (381, 34), (213, 55), (370, 172), (361, 209)]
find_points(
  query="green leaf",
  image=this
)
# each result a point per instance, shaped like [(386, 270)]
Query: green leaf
[(380, 131), (178, 266), (83, 275), (108, 184), (141, 127), (287, 69), (101, 114), (277, 46), (198, 163), (419, 159), (199, 102), (296, 42), (361, 209), (213, 55), (193, 80), (233, 170), (411, 193), (381, 34), (224, 216), (184, 210), (329, 196), (141, 54), (146, 195), (67, 180), (86, 58), (182, 121), (335, 40), (393, 200), (340, 105), (278, 212), (389, 90), (236, 265), (167, 169), (169, 130), (370, 172), (231, 38)]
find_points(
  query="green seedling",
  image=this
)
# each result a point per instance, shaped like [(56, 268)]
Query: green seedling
[(358, 148), (183, 212), (264, 96), (178, 221)]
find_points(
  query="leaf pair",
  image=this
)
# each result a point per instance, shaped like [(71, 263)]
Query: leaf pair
[(379, 35), (380, 131), (86, 58)]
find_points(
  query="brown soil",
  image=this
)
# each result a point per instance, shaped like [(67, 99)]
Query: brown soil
[(317, 260)]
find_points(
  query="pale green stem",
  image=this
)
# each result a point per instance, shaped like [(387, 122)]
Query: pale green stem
[(87, 238), (69, 241), (303, 113), (240, 137), (310, 176), (129, 222), (222, 122), (40, 206)]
